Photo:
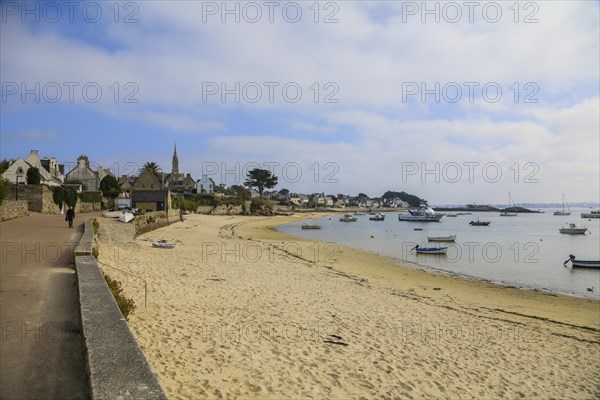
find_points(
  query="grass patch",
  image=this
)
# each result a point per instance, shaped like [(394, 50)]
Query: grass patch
[(125, 305)]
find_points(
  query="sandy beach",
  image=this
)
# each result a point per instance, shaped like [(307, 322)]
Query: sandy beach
[(238, 310)]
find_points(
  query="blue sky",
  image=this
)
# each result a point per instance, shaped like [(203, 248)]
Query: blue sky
[(361, 122)]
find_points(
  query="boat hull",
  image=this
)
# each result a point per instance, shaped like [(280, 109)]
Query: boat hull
[(126, 217), (477, 223), (573, 231), (590, 215), (431, 250), (586, 263), (420, 218), (450, 238), (561, 213)]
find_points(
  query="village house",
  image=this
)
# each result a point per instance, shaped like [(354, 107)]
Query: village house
[(51, 173), (87, 176), (205, 185)]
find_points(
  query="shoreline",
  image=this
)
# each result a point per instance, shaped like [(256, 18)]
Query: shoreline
[(526, 294), (240, 310)]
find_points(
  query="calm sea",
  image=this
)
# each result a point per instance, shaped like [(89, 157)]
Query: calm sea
[(524, 251)]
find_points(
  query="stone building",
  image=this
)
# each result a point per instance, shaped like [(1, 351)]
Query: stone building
[(178, 182), (51, 172), (90, 178)]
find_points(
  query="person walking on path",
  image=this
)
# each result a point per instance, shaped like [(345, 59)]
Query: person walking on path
[(70, 217)]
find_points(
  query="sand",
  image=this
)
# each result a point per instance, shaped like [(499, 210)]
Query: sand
[(239, 310)]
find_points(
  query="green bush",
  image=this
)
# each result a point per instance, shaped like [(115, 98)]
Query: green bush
[(90, 197), (125, 305), (261, 206), (33, 176)]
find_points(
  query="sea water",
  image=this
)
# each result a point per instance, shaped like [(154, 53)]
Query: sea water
[(526, 250)]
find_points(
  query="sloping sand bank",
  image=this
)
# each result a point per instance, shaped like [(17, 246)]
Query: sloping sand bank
[(239, 310)]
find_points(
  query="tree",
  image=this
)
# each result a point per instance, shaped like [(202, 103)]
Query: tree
[(110, 186), (152, 167), (284, 192), (4, 164), (70, 196), (240, 192), (261, 179), (33, 176), (3, 188)]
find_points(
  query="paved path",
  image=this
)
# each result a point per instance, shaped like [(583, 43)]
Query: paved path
[(41, 352)]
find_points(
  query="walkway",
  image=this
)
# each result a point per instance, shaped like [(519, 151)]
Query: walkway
[(41, 353)]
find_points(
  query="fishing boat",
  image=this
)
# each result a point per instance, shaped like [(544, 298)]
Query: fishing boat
[(511, 205), (583, 263), (377, 217), (430, 250), (450, 238), (311, 226), (591, 214), (563, 212), (348, 218), (112, 214), (126, 217), (423, 214), (480, 223), (573, 229)]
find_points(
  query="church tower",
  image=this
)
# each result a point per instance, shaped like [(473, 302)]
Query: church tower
[(175, 165)]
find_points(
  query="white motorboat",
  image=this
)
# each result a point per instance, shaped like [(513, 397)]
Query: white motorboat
[(126, 217), (591, 214), (573, 229), (377, 217), (423, 214), (449, 238), (563, 212), (348, 218)]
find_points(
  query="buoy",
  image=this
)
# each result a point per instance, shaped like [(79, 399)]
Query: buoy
[(372, 236)]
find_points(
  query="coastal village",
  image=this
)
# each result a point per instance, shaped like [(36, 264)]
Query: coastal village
[(31, 179)]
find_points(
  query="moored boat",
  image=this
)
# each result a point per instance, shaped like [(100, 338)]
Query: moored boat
[(583, 263), (423, 214), (161, 244), (348, 218), (451, 215), (449, 238), (360, 213), (377, 217), (591, 214), (430, 250), (480, 223), (573, 229), (563, 212)]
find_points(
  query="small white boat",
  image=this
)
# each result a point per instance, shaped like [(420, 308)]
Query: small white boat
[(360, 213), (126, 217), (348, 218), (563, 212), (508, 214), (430, 250), (423, 214), (450, 238), (573, 229), (583, 263), (451, 215), (112, 214), (162, 244), (591, 214), (377, 217)]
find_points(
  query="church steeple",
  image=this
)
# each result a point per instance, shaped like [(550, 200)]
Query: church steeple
[(175, 165)]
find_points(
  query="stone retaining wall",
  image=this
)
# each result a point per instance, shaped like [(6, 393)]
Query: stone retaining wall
[(154, 220), (116, 366), (13, 209)]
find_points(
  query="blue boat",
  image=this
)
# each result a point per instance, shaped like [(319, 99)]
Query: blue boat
[(430, 250)]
